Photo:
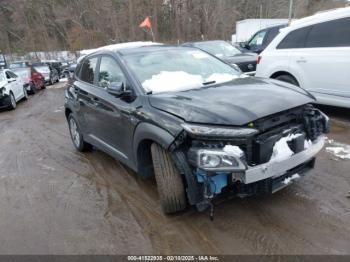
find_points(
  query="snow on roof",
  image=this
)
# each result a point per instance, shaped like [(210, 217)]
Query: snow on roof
[(116, 47), (322, 17), (119, 46)]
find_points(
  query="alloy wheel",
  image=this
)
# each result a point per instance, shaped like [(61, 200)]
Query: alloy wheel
[(74, 132), (13, 101)]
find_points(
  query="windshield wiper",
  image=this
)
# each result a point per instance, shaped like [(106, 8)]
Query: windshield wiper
[(209, 83)]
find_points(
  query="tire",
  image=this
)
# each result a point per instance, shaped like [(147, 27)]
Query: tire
[(33, 89), (169, 182), (288, 78), (25, 97), (12, 102), (43, 86), (76, 136), (58, 80), (51, 81)]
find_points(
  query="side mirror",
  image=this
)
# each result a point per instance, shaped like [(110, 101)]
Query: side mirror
[(118, 89)]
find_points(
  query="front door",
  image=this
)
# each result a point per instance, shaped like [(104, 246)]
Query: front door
[(113, 123)]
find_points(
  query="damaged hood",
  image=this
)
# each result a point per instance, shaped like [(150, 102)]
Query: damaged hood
[(237, 102)]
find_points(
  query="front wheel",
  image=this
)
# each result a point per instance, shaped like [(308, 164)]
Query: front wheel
[(77, 137), (25, 94), (288, 78), (13, 103), (169, 181)]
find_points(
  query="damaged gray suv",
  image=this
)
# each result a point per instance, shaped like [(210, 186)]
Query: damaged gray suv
[(193, 122)]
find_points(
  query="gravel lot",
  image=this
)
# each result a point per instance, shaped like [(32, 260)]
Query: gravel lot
[(54, 200)]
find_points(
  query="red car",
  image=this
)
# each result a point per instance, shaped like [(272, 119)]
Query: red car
[(33, 80)]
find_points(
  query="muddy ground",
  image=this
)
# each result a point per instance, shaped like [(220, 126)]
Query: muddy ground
[(54, 200)]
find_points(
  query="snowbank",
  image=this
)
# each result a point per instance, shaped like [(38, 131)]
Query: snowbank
[(167, 81)]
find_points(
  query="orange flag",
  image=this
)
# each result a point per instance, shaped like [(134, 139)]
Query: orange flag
[(146, 23)]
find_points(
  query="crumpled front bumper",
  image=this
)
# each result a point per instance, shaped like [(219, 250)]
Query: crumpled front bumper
[(274, 169)]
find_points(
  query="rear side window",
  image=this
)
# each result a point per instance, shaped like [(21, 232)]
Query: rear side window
[(330, 34), (295, 39), (88, 70)]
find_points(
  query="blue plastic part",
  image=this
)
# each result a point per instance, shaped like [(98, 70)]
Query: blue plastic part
[(217, 182)]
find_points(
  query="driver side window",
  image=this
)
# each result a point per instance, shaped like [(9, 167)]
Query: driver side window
[(110, 73)]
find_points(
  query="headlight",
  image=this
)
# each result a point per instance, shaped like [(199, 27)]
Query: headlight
[(236, 67), (215, 160), (208, 131)]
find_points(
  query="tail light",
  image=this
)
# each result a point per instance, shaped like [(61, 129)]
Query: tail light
[(259, 59)]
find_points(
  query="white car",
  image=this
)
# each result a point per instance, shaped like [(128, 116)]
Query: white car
[(11, 89), (313, 53)]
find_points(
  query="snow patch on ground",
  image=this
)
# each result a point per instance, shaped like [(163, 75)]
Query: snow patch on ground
[(287, 180), (281, 150), (174, 81), (338, 150), (233, 151)]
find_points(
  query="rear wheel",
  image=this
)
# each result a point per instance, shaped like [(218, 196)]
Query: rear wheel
[(288, 78), (77, 137), (12, 101), (169, 182)]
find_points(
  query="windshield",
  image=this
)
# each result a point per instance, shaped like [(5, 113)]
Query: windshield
[(178, 70), (218, 48)]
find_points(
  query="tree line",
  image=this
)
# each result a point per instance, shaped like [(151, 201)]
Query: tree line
[(46, 25)]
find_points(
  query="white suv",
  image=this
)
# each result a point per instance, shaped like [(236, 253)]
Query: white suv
[(313, 53)]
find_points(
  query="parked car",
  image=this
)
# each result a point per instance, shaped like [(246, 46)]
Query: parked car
[(3, 63), (313, 53), (197, 124), (50, 74), (56, 65), (68, 72), (32, 80), (20, 64), (245, 62), (11, 89), (261, 39)]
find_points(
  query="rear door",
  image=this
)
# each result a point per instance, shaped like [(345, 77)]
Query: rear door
[(83, 93), (326, 58)]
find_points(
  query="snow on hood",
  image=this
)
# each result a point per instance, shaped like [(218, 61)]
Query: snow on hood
[(175, 81)]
